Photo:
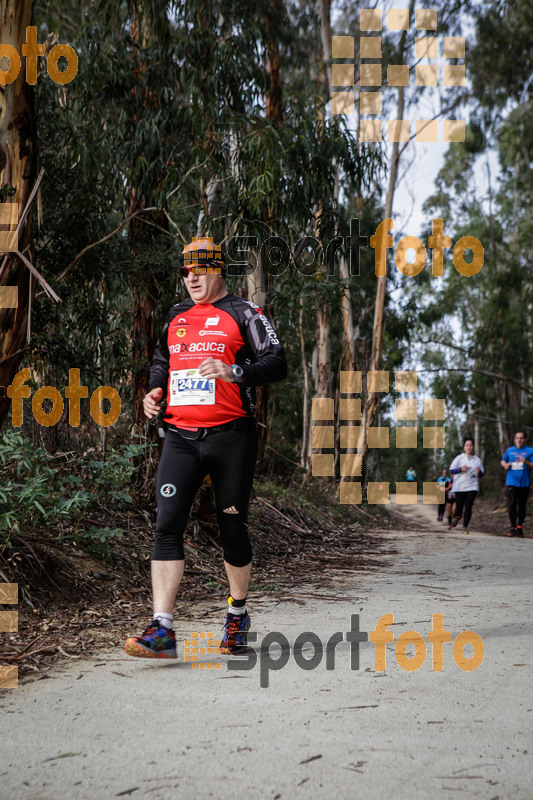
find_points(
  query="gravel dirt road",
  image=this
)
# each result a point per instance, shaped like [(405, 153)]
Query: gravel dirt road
[(114, 726)]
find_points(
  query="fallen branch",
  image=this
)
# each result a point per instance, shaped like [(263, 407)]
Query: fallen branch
[(290, 521), (105, 238), (24, 215)]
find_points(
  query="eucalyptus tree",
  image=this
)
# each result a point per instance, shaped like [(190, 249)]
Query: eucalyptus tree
[(18, 172)]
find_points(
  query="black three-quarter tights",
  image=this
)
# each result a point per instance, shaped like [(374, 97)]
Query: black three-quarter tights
[(517, 503), (229, 458), (465, 499)]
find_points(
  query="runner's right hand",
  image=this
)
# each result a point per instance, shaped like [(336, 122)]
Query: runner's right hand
[(151, 402)]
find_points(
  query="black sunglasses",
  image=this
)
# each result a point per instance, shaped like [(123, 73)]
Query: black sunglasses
[(200, 269)]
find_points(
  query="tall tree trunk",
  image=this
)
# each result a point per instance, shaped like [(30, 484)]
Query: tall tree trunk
[(257, 282), (372, 398), (348, 358), (274, 109), (143, 298), (141, 234), (306, 450), (323, 374), (18, 162), (325, 37), (321, 367)]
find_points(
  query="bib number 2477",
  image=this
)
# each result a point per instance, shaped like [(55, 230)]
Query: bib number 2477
[(188, 388)]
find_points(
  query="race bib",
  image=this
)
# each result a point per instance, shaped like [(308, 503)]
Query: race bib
[(188, 388), (517, 465)]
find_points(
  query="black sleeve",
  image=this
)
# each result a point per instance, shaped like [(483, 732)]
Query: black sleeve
[(270, 364), (160, 362)]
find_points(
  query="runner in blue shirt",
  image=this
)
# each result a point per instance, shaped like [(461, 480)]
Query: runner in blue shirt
[(446, 481), (517, 462)]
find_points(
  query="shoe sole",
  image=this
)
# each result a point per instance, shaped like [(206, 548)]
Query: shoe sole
[(240, 651), (133, 648)]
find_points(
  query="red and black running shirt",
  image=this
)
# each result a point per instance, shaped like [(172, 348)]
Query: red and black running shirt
[(234, 330)]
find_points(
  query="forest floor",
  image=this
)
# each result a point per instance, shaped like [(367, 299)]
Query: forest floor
[(73, 602), (107, 725), (490, 515)]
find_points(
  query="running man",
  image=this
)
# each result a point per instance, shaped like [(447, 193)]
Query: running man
[(449, 499), (466, 469), (446, 481), (517, 462), (214, 350), (410, 475)]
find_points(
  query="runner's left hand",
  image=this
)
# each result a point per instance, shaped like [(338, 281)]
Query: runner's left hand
[(214, 368)]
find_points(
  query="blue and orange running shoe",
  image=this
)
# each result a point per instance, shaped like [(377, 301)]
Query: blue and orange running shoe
[(155, 642), (235, 640)]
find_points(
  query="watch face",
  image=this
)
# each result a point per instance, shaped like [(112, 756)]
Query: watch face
[(237, 371)]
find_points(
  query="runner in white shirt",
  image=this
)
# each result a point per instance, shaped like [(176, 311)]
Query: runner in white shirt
[(466, 469)]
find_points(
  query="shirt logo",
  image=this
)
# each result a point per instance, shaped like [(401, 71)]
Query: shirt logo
[(197, 347), (211, 322), (181, 332)]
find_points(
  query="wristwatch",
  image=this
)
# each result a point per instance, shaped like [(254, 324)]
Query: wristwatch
[(238, 373)]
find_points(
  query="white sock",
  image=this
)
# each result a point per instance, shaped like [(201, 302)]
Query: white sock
[(164, 619), (237, 611)]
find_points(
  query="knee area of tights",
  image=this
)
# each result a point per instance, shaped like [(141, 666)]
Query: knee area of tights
[(175, 554), (238, 561)]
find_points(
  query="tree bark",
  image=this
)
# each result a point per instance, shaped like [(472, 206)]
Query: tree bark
[(348, 358), (305, 453), (257, 282), (372, 398), (18, 166), (144, 289), (321, 366), (323, 374), (274, 110)]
